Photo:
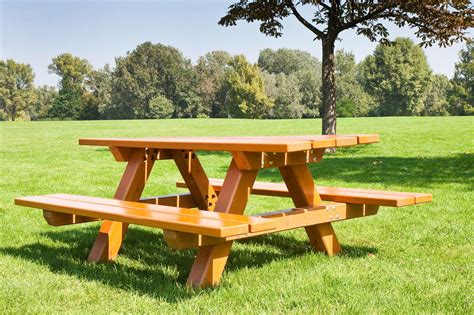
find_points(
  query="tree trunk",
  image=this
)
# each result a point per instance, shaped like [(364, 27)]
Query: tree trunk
[(328, 110)]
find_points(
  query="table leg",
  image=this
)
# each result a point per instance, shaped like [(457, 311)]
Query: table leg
[(210, 260), (111, 234), (196, 179), (301, 186)]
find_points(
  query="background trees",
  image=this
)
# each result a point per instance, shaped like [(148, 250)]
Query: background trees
[(45, 97), (157, 81), (16, 89), (303, 71), (245, 92), (434, 21), (73, 71), (462, 93), (150, 71), (211, 72), (351, 99), (397, 75), (436, 103)]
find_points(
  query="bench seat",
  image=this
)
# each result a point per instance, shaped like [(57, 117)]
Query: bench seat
[(336, 194), (165, 217)]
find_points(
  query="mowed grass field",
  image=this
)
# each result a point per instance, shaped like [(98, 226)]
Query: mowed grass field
[(413, 259)]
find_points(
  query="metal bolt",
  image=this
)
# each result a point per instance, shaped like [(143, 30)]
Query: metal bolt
[(337, 216), (270, 162), (314, 159)]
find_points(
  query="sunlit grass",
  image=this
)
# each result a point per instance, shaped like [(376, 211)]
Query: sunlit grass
[(414, 259)]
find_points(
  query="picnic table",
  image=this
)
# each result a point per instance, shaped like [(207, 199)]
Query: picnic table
[(211, 216)]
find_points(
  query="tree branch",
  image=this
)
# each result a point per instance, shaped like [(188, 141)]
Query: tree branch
[(308, 25), (366, 17)]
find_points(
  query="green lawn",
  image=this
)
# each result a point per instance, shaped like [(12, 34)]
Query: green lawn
[(413, 259)]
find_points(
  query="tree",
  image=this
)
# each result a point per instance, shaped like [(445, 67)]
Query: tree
[(351, 99), (74, 72), (284, 91), (306, 68), (433, 20), (462, 92), (287, 61), (245, 97), (99, 85), (398, 76), (45, 97), (161, 107), (17, 94), (211, 73), (148, 71), (436, 103)]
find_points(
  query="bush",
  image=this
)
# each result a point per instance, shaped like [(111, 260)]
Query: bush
[(160, 107)]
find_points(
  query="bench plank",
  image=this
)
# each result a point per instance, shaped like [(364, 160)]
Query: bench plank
[(178, 219), (347, 195)]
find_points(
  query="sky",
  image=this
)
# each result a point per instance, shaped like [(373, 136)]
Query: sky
[(35, 31)]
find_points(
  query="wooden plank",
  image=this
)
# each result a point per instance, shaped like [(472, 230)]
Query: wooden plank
[(196, 179), (348, 195), (365, 138), (284, 220), (177, 200), (203, 143), (210, 260), (257, 160), (111, 234), (300, 184), (185, 220), (250, 143), (121, 154), (260, 224), (60, 219)]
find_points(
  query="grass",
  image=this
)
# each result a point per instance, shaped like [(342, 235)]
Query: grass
[(413, 259)]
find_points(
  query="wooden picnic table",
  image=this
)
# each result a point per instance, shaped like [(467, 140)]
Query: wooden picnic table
[(223, 201)]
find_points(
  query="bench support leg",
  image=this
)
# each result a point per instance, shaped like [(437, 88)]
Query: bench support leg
[(300, 184), (210, 260), (111, 234)]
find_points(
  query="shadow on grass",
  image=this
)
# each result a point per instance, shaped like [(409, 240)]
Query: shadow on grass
[(396, 171), (147, 266)]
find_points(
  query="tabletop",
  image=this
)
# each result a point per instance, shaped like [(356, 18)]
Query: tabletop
[(246, 143)]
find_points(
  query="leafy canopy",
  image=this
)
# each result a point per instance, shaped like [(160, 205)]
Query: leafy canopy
[(16, 88), (397, 75), (433, 20), (245, 96)]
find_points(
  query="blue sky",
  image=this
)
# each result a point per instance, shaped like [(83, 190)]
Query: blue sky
[(35, 31)]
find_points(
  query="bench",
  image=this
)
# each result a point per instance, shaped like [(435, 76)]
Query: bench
[(346, 195), (185, 227), (166, 217), (218, 227)]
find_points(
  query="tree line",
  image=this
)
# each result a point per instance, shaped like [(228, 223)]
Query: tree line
[(156, 81)]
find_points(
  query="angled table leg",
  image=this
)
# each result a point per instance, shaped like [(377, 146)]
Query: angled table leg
[(211, 260), (196, 179), (111, 234), (301, 186), (202, 192)]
